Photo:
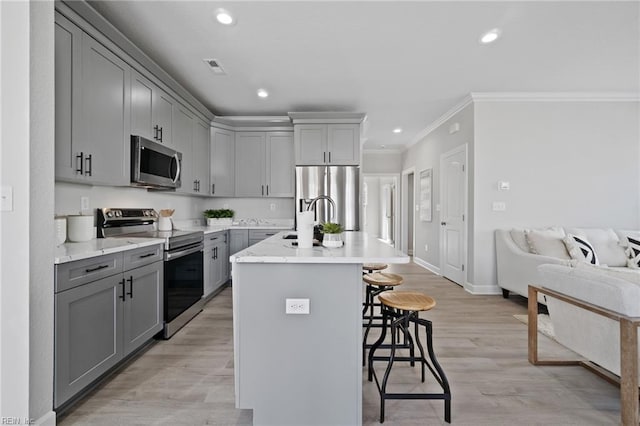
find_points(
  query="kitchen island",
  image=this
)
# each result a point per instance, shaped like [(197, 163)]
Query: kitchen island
[(299, 368)]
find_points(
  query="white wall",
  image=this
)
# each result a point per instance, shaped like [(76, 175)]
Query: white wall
[(67, 201), (381, 162), (26, 249), (372, 209), (568, 163), (426, 154)]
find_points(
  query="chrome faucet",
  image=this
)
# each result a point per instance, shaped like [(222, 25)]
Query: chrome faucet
[(313, 202)]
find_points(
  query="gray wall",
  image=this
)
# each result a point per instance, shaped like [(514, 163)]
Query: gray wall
[(426, 154), (568, 163)]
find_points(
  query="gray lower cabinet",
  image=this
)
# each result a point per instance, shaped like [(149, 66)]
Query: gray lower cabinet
[(216, 261), (238, 240), (98, 323)]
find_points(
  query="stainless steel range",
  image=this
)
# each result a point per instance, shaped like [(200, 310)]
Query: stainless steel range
[(183, 260)]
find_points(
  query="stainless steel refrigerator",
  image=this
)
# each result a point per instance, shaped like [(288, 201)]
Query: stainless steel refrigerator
[(340, 184)]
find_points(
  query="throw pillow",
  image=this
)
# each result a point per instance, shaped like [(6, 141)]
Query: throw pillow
[(547, 242), (580, 249), (633, 251)]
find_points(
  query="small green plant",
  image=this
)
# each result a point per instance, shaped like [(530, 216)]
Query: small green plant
[(218, 213), (332, 228)]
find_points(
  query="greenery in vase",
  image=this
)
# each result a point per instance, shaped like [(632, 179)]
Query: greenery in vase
[(332, 228), (218, 213)]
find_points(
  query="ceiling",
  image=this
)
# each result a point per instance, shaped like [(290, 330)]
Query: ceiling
[(402, 63)]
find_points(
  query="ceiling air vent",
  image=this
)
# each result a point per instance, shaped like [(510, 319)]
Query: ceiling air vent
[(215, 66)]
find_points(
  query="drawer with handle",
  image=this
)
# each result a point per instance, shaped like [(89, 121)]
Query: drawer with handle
[(72, 274), (214, 238), (142, 256)]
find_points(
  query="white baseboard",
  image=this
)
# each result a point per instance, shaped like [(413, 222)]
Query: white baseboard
[(482, 289), (426, 265), (48, 419)]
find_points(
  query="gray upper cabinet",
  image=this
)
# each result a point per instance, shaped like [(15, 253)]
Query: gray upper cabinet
[(68, 45), (201, 155), (327, 144), (104, 117), (182, 139), (264, 164), (163, 110), (222, 162), (279, 164), (142, 106), (250, 164)]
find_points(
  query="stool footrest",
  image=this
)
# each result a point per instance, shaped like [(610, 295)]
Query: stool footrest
[(444, 396)]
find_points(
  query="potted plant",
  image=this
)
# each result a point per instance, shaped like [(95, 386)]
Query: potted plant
[(332, 234), (219, 217)]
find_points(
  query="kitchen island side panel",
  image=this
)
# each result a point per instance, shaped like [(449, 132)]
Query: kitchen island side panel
[(298, 369)]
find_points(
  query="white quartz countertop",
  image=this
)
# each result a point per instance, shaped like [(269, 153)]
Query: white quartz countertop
[(68, 252), (212, 229), (358, 248)]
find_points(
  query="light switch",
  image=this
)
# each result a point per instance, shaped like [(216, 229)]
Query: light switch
[(499, 206), (6, 199), (503, 186)]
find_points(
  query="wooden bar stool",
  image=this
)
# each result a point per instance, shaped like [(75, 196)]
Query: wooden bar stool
[(377, 282), (402, 308)]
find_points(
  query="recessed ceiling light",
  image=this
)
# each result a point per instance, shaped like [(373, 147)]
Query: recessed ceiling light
[(397, 130), (490, 36), (263, 93), (224, 17), (383, 146)]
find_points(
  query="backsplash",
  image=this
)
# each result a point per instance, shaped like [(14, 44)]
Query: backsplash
[(68, 201)]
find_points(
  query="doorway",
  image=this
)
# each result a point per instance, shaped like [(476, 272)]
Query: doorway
[(379, 206), (453, 214)]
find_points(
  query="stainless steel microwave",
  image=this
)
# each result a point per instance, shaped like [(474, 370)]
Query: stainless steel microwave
[(154, 165)]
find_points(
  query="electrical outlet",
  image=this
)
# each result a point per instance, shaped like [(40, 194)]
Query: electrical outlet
[(84, 203), (225, 206), (297, 306), (272, 207), (426, 247)]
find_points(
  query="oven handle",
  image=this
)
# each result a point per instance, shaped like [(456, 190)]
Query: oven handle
[(181, 253)]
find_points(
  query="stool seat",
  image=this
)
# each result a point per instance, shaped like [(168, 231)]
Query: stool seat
[(382, 279), (374, 266), (407, 300)]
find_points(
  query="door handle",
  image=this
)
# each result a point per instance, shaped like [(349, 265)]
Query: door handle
[(213, 188), (160, 130), (81, 158), (443, 223), (155, 132), (267, 190), (89, 167), (329, 156), (122, 284), (130, 293)]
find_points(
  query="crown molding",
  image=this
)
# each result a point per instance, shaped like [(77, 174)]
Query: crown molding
[(327, 117), (254, 123), (441, 120), (555, 96)]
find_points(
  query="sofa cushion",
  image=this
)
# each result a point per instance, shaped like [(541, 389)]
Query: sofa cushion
[(623, 235), (580, 249), (633, 250), (605, 243), (517, 235), (547, 242)]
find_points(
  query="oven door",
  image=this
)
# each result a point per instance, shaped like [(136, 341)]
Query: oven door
[(183, 280)]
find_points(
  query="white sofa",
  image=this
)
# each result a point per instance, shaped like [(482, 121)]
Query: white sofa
[(592, 336), (519, 252)]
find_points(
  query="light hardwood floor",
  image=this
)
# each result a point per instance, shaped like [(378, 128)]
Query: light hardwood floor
[(188, 380)]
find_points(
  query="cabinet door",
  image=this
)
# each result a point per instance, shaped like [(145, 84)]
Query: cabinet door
[(222, 163), (87, 336), (68, 39), (104, 117), (250, 155), (182, 137), (201, 156), (279, 165), (311, 144), (343, 144), (163, 111), (238, 240), (223, 259), (208, 268), (142, 106), (143, 305)]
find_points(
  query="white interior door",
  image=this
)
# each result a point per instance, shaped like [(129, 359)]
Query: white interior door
[(453, 195)]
